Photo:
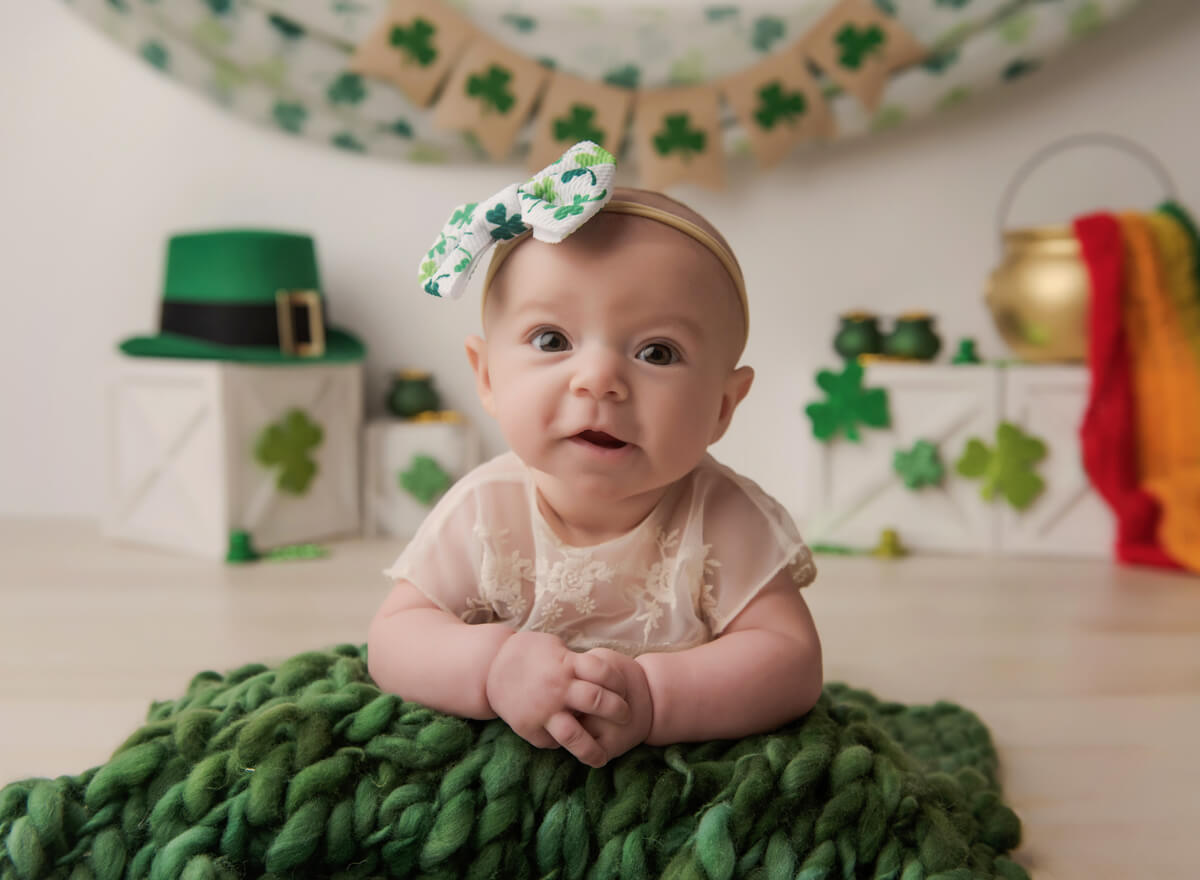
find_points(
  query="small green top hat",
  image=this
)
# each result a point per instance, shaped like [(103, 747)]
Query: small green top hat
[(247, 295)]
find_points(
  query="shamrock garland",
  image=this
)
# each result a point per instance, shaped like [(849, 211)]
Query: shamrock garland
[(1008, 468), (287, 443), (847, 404)]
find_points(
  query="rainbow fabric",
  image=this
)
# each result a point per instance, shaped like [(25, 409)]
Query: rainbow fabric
[(1140, 434)]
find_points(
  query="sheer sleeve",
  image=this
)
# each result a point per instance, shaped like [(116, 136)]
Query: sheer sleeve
[(442, 560), (753, 539)]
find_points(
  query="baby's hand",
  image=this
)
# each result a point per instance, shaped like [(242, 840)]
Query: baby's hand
[(533, 685), (626, 677)]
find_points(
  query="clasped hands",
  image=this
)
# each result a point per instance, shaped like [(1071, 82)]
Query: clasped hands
[(596, 704)]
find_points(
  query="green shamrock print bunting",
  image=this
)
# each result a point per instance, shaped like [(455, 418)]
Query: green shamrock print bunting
[(577, 126), (858, 43), (776, 105)]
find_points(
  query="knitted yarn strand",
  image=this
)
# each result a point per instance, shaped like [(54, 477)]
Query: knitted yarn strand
[(307, 769)]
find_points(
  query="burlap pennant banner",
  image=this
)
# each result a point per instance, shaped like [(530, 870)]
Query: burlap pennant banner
[(431, 52), (779, 104), (490, 94), (575, 109), (857, 45), (677, 137), (414, 47)]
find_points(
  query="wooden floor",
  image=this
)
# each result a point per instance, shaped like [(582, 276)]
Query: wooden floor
[(1088, 675)]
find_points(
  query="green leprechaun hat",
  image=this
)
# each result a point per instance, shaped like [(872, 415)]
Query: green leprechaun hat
[(248, 295)]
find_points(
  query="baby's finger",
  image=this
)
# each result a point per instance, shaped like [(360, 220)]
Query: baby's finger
[(538, 738), (591, 699), (566, 729), (592, 666)]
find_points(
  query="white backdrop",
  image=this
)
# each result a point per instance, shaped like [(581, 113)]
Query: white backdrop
[(102, 158)]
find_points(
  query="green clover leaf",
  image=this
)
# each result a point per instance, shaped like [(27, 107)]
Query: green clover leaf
[(767, 30), (677, 137), (626, 77), (290, 117), (1008, 469), (857, 43), (287, 444), (920, 466), (542, 189), (522, 23), (847, 404), (427, 270), (425, 479), (415, 41), (576, 207), (578, 125), (492, 89), (156, 54), (432, 285), (462, 216), (348, 88), (286, 26), (778, 105), (505, 227), (347, 141)]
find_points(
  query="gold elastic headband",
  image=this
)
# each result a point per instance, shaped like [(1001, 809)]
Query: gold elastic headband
[(650, 212)]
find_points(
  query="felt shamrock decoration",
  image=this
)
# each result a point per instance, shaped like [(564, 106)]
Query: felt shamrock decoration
[(415, 41), (578, 125), (287, 444), (677, 136), (776, 105), (847, 404), (425, 479), (1007, 469), (920, 466), (492, 89)]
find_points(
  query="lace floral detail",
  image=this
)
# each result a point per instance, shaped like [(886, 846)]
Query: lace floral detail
[(655, 593), (801, 568), (501, 580), (569, 580)]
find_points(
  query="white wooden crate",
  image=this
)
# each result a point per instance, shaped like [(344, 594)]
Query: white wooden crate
[(182, 472), (858, 493), (391, 445), (1069, 518)]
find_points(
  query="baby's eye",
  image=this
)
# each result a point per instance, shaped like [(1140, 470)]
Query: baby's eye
[(550, 340), (658, 353)]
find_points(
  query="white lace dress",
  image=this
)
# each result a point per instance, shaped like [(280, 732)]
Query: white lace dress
[(486, 554)]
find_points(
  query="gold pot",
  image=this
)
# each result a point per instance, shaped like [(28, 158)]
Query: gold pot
[(1039, 295)]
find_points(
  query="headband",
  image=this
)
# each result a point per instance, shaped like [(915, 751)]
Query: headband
[(550, 205)]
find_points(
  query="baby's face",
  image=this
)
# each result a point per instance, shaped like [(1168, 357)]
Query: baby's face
[(609, 358)]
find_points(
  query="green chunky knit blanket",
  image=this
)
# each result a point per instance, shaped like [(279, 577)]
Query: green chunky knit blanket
[(307, 770)]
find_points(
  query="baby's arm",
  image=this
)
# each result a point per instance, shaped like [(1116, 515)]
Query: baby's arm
[(762, 671), (530, 679)]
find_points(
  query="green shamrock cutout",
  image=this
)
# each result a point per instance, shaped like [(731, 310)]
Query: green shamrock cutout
[(847, 404), (505, 227), (766, 31), (462, 216), (543, 189), (677, 137), (290, 117), (347, 141), (1007, 469), (414, 41), (920, 466), (492, 89), (287, 443), (425, 479), (626, 77), (776, 105), (156, 54), (578, 125), (858, 43)]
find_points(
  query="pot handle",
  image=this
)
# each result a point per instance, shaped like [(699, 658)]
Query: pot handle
[(1117, 142)]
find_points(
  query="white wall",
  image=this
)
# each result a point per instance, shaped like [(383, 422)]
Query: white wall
[(102, 159)]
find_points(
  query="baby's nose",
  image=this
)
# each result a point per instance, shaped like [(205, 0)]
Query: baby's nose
[(600, 373)]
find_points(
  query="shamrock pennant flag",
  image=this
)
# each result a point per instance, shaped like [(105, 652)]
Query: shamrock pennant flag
[(490, 95), (414, 47), (574, 110), (677, 137), (857, 44), (779, 104)]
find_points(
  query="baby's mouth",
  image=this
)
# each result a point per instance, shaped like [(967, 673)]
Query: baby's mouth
[(599, 438)]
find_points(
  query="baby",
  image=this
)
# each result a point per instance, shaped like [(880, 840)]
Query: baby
[(607, 582)]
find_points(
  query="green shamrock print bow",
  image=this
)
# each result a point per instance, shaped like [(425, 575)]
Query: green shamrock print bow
[(553, 203)]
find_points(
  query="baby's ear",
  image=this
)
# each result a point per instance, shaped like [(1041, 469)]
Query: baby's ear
[(737, 386), (477, 355)]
